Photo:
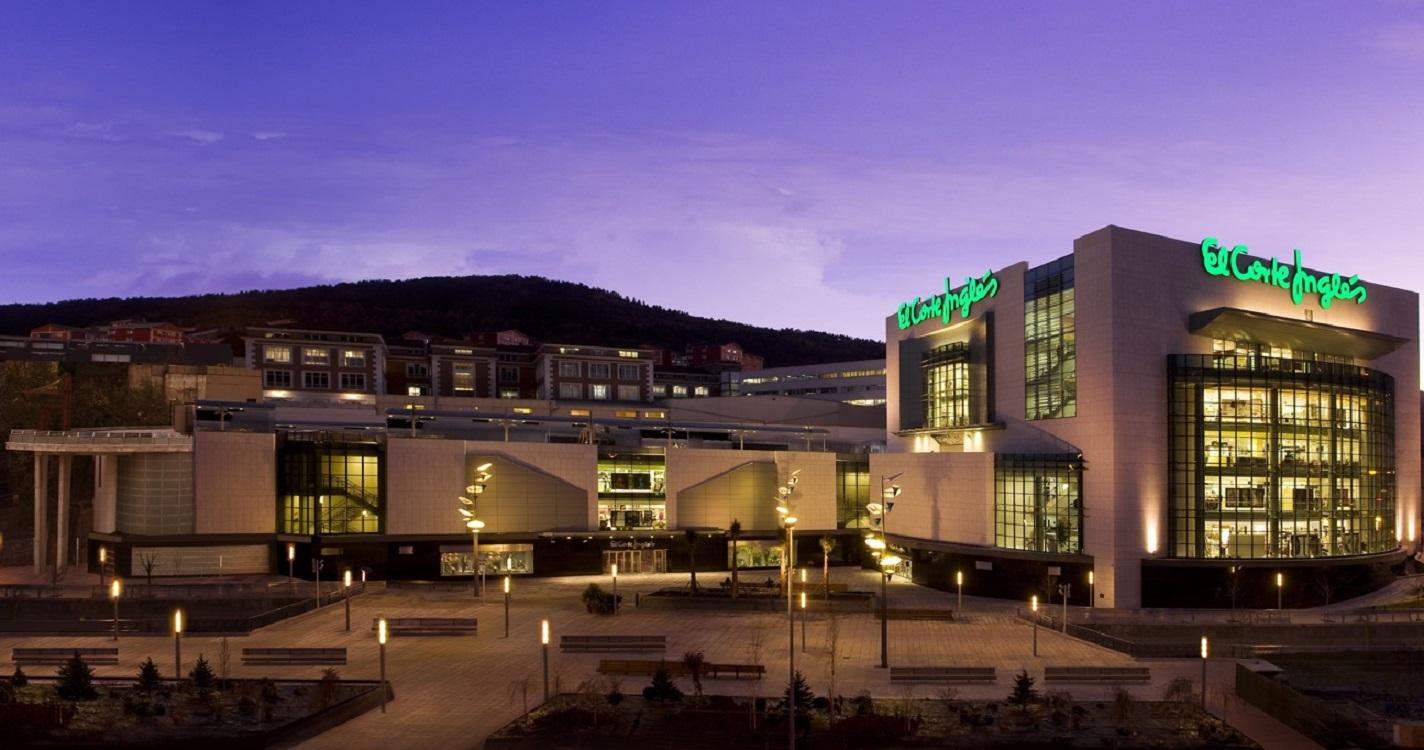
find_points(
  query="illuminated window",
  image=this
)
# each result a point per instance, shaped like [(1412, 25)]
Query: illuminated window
[(1050, 342), (701, 391), (578, 412), (1037, 505), (463, 378), (316, 380), (628, 393), (659, 391), (522, 410), (598, 391), (627, 354), (623, 414), (509, 393), (945, 370), (655, 415), (280, 355), (414, 390), (353, 358), (314, 356), (679, 391)]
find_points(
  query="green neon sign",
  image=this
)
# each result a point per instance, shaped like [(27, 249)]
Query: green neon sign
[(1218, 261), (940, 306)]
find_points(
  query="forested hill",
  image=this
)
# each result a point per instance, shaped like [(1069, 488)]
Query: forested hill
[(547, 310)]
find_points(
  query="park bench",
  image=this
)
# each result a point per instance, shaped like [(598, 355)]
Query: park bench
[(1096, 675), (429, 625), (942, 675), (587, 643), (920, 614), (43, 656), (293, 656), (677, 668)]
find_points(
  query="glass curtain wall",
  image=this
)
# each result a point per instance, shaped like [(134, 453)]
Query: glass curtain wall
[(852, 493), (1038, 504), (946, 385), (1050, 348), (1283, 458), (632, 491), (329, 485)]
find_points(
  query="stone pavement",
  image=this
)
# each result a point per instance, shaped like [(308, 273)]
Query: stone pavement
[(451, 692)]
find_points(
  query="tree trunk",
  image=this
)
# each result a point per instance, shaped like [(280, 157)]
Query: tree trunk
[(826, 575), (734, 568)]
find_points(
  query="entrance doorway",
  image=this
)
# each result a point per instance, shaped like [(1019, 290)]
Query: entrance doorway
[(635, 561)]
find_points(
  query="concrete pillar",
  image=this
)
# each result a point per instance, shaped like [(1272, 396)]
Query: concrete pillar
[(106, 493), (61, 531), (41, 543)]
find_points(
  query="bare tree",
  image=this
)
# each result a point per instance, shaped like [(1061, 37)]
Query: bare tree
[(735, 533), (520, 688), (833, 644), (755, 642), (224, 662), (148, 560), (828, 545)]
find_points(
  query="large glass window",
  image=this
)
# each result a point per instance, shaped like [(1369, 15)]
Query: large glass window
[(1277, 457), (946, 386), (277, 378), (628, 372), (632, 492), (495, 559), (1038, 504), (569, 369), (353, 358), (1050, 348), (852, 493), (315, 356), (599, 370), (329, 486), (278, 354), (462, 378)]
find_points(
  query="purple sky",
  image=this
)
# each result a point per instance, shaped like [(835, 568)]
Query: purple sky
[(806, 165)]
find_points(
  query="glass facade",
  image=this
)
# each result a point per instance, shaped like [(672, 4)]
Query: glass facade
[(632, 491), (946, 386), (852, 493), (1278, 457), (1038, 504), (1050, 348), (495, 560), (328, 485)]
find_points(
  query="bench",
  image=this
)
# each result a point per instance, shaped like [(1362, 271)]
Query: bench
[(293, 656), (677, 668), (44, 656), (587, 643), (429, 625), (920, 614), (942, 675), (1096, 675)]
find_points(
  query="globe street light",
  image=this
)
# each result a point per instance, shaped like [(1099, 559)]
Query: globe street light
[(346, 588), (467, 510), (506, 606), (544, 640), (177, 642), (381, 639), (959, 584), (1033, 605), (1205, 651), (1280, 584), (115, 589), (291, 560)]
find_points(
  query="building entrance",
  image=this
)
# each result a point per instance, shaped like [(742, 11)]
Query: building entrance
[(635, 561)]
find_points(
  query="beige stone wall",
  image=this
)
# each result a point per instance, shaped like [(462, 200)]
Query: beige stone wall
[(946, 497), (234, 483)]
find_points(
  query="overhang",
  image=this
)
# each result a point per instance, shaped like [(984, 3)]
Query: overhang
[(1234, 324)]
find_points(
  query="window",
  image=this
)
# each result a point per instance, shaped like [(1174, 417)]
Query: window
[(281, 355), (599, 370), (701, 391), (509, 375), (417, 370), (329, 487), (1050, 348), (578, 412), (852, 493), (625, 414), (654, 415), (353, 381), (569, 369), (598, 391), (353, 358), (628, 393), (463, 378), (522, 410), (509, 393), (415, 390), (316, 380), (627, 354), (632, 491), (945, 372), (571, 390), (679, 391), (313, 356), (628, 372), (1037, 505), (659, 391), (276, 379)]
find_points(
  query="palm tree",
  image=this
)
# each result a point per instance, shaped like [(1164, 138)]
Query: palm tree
[(828, 545), (691, 536), (735, 533)]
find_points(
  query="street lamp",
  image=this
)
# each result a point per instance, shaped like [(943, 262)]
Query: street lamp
[(115, 589), (467, 513), (1092, 591), (381, 639), (784, 507), (879, 548), (346, 587), (803, 622), (1280, 585), (506, 606), (291, 560), (1205, 650), (1033, 605), (177, 643), (544, 639), (959, 584), (103, 560), (615, 587)]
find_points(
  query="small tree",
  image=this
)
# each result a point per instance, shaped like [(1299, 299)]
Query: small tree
[(19, 679), (833, 644), (1124, 710), (1024, 692), (520, 689), (694, 660), (202, 676), (691, 536), (328, 689), (76, 680), (270, 697), (828, 545), (734, 532), (224, 662), (148, 677), (802, 691), (662, 688), (615, 692), (148, 560)]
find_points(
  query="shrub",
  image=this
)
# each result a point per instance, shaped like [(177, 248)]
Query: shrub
[(1179, 690), (7, 692), (615, 692), (148, 677), (864, 704), (598, 601), (1023, 693), (328, 689), (76, 680), (662, 688), (19, 679), (202, 675)]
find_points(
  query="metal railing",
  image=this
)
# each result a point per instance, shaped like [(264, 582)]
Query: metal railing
[(157, 436)]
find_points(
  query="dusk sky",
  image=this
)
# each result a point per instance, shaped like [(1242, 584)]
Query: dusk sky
[(807, 164)]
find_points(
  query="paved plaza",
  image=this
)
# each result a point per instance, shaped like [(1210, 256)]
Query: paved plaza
[(451, 692)]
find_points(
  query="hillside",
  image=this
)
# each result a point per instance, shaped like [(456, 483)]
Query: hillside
[(548, 310)]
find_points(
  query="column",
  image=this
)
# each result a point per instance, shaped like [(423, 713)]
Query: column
[(106, 490), (41, 512), (61, 531)]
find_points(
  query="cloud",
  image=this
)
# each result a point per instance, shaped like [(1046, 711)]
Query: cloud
[(201, 136), (95, 131), (1405, 40), (268, 136)]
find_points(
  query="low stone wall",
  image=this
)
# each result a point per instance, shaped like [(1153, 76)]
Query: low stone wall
[(851, 601)]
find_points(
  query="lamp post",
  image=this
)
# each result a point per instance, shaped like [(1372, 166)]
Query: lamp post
[(615, 588), (103, 560), (1065, 589), (1092, 590), (317, 565), (803, 622), (880, 548), (1204, 652), (346, 588), (291, 560), (1280, 585), (506, 606), (115, 589), (381, 639), (467, 513), (177, 643), (544, 639), (1033, 605), (959, 585)]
